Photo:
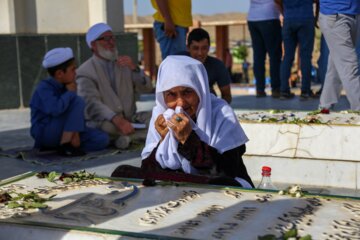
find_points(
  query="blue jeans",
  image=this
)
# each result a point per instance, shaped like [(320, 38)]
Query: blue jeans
[(170, 46), (266, 38), (296, 32)]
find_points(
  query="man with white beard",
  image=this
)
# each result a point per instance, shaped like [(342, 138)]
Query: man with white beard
[(109, 83)]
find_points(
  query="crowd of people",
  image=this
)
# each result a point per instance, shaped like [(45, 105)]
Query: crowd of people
[(191, 134), (279, 27)]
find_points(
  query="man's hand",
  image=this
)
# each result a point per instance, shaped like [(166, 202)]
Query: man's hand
[(170, 29), (123, 125), (126, 61), (181, 126), (169, 26), (161, 127)]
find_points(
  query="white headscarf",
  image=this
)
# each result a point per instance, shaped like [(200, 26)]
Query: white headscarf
[(216, 123)]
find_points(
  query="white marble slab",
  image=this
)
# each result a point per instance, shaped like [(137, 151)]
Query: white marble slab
[(332, 142), (315, 172), (271, 139), (184, 211), (326, 155), (329, 142)]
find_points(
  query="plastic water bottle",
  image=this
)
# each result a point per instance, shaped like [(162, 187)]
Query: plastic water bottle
[(266, 180)]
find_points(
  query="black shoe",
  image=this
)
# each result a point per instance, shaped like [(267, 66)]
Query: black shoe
[(260, 94), (68, 150), (318, 93), (275, 93), (306, 96), (286, 95)]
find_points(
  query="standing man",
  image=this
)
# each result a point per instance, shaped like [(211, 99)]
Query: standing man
[(298, 28), (198, 45), (108, 83), (265, 31), (340, 24), (172, 19)]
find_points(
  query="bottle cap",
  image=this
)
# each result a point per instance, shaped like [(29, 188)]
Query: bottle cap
[(266, 168)]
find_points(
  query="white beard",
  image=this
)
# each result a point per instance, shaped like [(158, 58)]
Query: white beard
[(107, 54)]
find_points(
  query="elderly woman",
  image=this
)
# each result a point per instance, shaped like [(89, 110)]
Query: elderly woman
[(193, 135)]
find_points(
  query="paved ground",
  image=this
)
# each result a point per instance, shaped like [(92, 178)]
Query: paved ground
[(14, 132), (243, 98)]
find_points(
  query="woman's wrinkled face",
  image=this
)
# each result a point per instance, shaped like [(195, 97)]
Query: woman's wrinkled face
[(184, 97)]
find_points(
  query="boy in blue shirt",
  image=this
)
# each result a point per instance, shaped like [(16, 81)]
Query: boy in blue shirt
[(57, 113)]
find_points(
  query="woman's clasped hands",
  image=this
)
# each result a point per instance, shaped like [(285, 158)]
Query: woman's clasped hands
[(179, 123)]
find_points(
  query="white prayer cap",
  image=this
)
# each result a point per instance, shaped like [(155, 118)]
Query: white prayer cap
[(57, 56), (95, 32)]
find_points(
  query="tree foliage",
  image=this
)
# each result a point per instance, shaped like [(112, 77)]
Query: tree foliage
[(240, 52)]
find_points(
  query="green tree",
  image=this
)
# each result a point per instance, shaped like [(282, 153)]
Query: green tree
[(240, 52)]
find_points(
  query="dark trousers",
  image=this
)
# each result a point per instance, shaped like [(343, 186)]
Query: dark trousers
[(296, 32), (266, 38), (49, 135)]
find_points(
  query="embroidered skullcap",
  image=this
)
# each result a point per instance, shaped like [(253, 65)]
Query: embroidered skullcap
[(95, 32), (57, 56)]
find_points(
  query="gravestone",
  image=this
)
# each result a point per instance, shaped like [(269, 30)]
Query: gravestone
[(166, 211)]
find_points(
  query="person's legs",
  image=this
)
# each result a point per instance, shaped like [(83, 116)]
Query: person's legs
[(323, 60), (168, 45), (51, 134), (70, 137), (340, 32), (358, 38), (75, 120), (119, 140), (178, 44), (273, 39), (60, 131), (74, 124), (290, 42), (69, 122), (332, 86), (143, 117), (306, 35), (123, 141), (93, 139), (259, 54), (162, 39), (109, 128)]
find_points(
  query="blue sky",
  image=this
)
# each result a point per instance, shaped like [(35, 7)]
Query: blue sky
[(206, 7)]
